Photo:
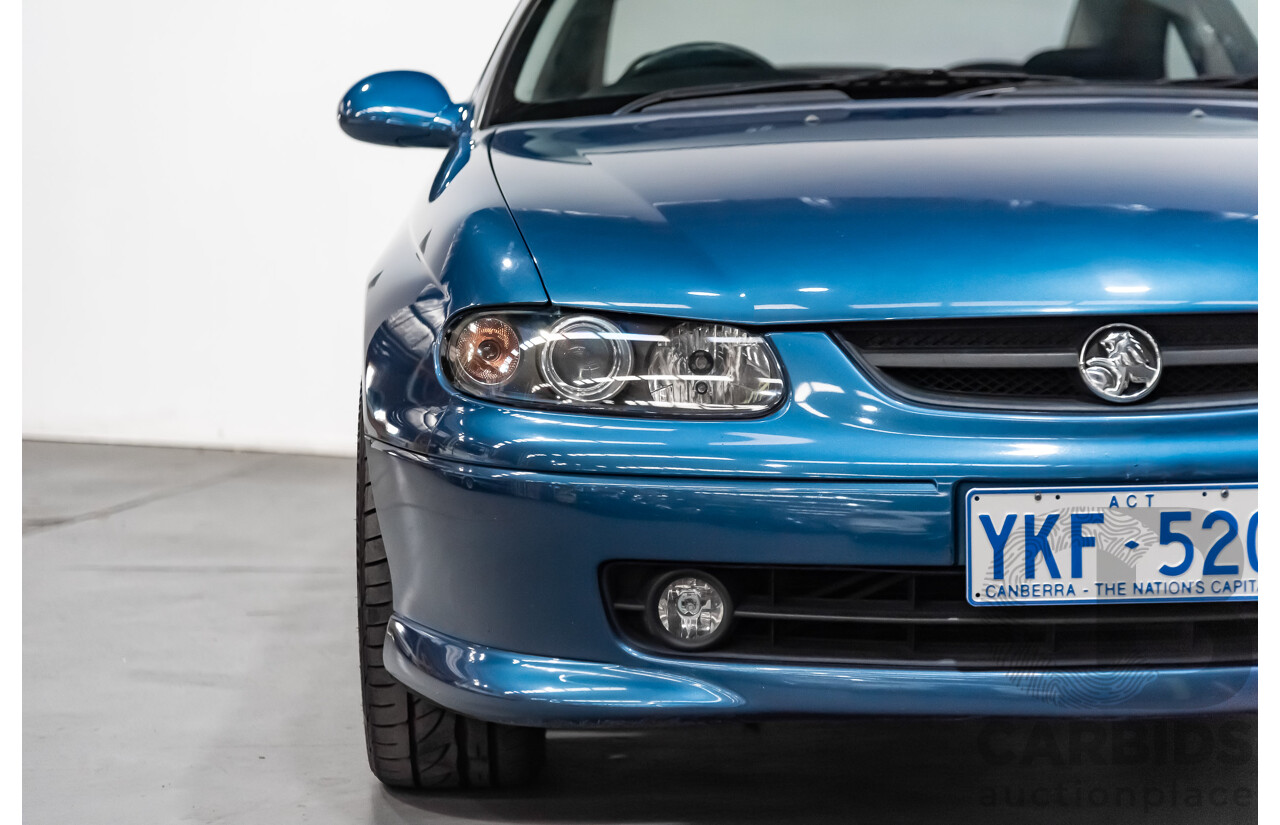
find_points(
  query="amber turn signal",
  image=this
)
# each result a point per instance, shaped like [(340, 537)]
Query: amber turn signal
[(487, 350)]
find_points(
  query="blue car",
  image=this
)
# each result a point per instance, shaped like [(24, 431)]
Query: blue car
[(756, 359)]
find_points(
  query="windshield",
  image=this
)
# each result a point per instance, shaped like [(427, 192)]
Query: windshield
[(577, 57)]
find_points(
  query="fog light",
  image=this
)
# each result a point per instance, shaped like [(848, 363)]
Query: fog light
[(688, 610)]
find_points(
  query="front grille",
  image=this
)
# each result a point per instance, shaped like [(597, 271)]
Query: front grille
[(918, 617), (1176, 383), (1032, 364)]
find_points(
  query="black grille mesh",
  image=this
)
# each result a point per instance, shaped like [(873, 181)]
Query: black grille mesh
[(1209, 381), (1059, 332), (1012, 383), (918, 617), (1177, 382)]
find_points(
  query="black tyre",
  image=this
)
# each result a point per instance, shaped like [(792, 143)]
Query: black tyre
[(413, 742)]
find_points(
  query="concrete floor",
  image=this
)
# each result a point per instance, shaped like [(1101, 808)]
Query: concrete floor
[(190, 656)]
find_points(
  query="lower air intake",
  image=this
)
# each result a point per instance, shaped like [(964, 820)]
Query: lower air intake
[(918, 617)]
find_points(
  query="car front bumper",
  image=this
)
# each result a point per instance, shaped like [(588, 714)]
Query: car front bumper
[(519, 689), (499, 612)]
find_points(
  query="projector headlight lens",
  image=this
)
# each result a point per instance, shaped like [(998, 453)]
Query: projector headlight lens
[(614, 365), (586, 358)]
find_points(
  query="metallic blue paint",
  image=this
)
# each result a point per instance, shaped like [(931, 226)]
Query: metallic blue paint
[(459, 249), (935, 208), (466, 542), (555, 692), (402, 109), (533, 690), (458, 567), (496, 519)]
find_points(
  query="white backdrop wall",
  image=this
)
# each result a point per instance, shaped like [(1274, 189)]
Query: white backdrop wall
[(197, 229)]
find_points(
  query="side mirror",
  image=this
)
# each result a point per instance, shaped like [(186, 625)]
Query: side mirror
[(402, 109)]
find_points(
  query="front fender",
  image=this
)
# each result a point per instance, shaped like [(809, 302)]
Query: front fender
[(458, 249)]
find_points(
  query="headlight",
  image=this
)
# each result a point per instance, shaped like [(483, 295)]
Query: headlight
[(625, 366), (586, 358), (487, 351)]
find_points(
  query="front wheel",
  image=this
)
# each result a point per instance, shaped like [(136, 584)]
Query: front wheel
[(412, 741)]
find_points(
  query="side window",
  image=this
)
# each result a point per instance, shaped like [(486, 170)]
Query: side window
[(1177, 61)]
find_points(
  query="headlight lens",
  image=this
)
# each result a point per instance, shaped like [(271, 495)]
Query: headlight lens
[(624, 366), (586, 358), (712, 366), (487, 350)]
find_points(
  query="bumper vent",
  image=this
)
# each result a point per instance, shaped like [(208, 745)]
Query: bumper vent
[(918, 617), (1032, 363)]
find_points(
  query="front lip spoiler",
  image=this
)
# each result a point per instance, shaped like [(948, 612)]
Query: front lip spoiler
[(520, 689)]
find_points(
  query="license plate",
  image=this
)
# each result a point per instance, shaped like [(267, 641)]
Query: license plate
[(1094, 545)]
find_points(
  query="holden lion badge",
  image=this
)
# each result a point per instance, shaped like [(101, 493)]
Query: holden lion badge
[(1120, 363)]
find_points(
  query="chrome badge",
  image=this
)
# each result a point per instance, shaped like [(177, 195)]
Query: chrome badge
[(1120, 363)]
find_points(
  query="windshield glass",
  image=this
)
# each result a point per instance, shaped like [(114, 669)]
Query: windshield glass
[(580, 57)]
